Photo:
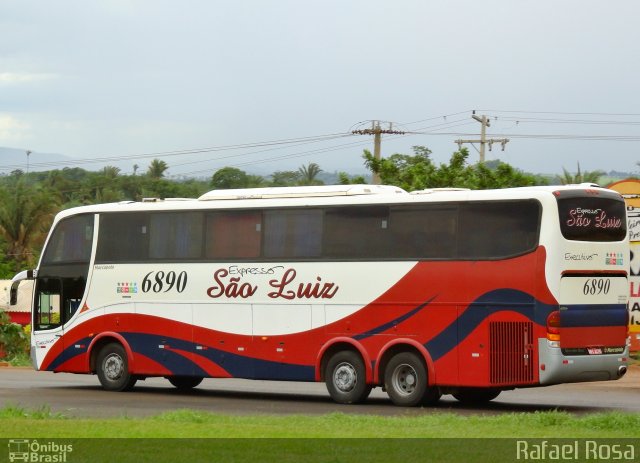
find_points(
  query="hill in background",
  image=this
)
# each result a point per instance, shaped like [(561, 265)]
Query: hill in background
[(16, 159), (12, 159)]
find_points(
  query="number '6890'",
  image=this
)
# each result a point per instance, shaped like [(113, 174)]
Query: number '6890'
[(595, 286), (160, 281)]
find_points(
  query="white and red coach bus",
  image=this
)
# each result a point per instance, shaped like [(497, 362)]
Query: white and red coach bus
[(435, 292)]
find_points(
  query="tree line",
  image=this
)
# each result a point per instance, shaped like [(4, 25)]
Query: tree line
[(28, 202)]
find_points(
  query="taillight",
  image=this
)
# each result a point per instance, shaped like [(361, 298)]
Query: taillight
[(553, 326)]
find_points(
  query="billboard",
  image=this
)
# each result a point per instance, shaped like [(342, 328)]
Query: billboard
[(630, 191)]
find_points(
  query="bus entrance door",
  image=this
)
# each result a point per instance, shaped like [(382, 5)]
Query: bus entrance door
[(47, 327)]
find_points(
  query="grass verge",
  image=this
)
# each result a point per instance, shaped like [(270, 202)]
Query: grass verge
[(19, 422)]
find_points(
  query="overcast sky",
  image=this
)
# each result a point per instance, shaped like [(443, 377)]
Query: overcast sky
[(108, 79)]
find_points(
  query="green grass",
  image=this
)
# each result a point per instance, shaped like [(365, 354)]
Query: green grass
[(18, 422), (194, 436), (12, 412)]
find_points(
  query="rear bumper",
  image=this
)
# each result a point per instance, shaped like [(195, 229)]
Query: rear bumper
[(556, 368)]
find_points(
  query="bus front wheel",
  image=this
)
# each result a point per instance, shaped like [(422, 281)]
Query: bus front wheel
[(113, 368), (405, 380), (346, 379)]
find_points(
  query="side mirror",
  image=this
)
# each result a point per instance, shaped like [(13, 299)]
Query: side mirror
[(13, 295), (24, 275)]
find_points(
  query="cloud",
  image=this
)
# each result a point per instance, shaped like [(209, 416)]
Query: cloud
[(12, 130), (24, 77)]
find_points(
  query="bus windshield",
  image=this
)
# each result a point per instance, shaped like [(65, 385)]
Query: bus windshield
[(62, 276)]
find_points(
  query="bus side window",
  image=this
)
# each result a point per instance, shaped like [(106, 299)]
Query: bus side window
[(72, 289), (357, 232), (123, 238), (57, 301), (295, 233), (425, 232), (175, 235), (233, 234), (516, 222)]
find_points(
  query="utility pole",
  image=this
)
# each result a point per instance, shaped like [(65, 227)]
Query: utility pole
[(484, 123), (377, 132)]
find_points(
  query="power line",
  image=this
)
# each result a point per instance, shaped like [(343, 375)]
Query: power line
[(625, 138), (561, 112), (564, 121), (444, 116), (200, 161), (443, 128), (286, 141), (279, 157)]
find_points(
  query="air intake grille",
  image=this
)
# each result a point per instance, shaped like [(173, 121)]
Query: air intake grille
[(511, 353)]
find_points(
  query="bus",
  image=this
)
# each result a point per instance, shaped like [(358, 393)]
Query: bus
[(433, 292)]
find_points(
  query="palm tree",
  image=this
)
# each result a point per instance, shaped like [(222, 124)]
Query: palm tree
[(157, 168), (111, 172), (309, 173), (581, 177), (25, 216)]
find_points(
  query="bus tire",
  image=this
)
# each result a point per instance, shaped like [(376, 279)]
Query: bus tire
[(405, 380), (346, 378), (113, 368), (476, 395), (184, 383)]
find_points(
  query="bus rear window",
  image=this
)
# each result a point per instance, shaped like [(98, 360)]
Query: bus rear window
[(592, 218)]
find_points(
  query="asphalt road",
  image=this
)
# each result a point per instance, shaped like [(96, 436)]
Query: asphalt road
[(82, 396)]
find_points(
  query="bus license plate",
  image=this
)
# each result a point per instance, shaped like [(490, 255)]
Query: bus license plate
[(594, 350)]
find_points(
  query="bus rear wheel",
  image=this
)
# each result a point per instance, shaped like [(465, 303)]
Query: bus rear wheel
[(405, 380), (184, 383), (476, 395), (346, 378), (113, 368)]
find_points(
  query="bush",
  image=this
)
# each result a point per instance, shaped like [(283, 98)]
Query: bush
[(14, 340)]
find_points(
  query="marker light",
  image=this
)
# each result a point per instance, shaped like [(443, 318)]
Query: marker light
[(553, 326)]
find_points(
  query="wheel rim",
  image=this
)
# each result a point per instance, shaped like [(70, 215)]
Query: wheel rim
[(345, 377), (113, 367), (405, 379)]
